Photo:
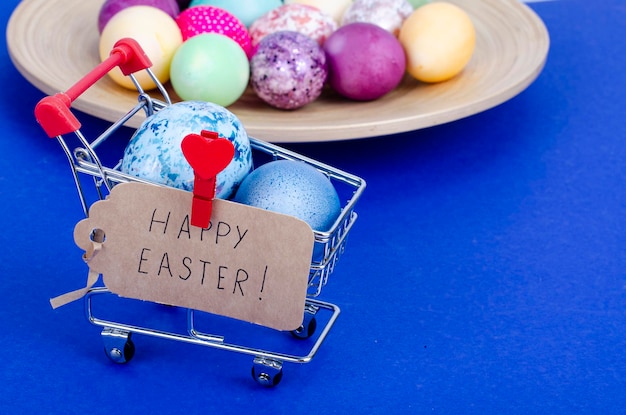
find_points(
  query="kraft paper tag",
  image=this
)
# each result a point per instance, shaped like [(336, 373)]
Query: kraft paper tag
[(249, 263)]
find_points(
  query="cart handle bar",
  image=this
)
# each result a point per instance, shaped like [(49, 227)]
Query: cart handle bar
[(53, 112)]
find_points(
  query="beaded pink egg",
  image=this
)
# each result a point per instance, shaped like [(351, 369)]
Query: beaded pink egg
[(209, 19)]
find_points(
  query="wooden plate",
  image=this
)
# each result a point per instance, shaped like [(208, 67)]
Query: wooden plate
[(54, 43)]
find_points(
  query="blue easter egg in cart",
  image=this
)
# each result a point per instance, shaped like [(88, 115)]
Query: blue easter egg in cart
[(154, 151)]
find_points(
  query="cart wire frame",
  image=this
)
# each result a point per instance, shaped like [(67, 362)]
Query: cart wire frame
[(329, 245)]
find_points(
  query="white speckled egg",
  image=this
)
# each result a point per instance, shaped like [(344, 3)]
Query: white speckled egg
[(299, 18), (293, 188), (154, 151), (334, 8), (388, 14)]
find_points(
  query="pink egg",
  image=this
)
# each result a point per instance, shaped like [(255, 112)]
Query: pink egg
[(308, 20), (364, 61), (111, 7), (209, 19)]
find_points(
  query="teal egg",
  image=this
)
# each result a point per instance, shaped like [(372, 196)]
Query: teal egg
[(293, 188), (154, 153), (245, 10)]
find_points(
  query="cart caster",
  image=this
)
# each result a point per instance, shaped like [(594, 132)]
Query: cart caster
[(118, 346), (267, 372), (309, 324)]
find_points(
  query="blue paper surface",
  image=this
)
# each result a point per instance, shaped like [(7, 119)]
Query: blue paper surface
[(486, 272)]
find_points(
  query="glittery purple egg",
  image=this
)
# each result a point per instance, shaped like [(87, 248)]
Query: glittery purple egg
[(288, 70)]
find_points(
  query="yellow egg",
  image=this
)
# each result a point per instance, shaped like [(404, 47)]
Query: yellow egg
[(439, 40), (158, 35)]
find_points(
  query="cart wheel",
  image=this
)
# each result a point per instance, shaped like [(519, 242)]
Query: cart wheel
[(123, 355), (267, 372), (309, 323), (118, 346), (307, 328)]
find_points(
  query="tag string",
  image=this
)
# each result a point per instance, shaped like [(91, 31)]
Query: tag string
[(92, 278)]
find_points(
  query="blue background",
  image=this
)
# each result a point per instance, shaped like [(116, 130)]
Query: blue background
[(486, 272)]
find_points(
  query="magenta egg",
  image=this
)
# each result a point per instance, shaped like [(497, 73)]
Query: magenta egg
[(110, 8), (365, 61), (288, 70)]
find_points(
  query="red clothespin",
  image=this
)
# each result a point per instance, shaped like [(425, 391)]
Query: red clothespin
[(207, 154)]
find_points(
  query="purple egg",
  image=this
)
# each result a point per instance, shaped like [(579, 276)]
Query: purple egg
[(364, 61), (111, 7), (288, 70)]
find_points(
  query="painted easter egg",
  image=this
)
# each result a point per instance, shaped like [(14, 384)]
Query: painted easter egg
[(333, 8), (300, 18), (388, 14), (245, 10), (435, 53), (154, 151), (418, 3), (210, 67), (157, 34), (208, 19), (293, 188), (110, 7), (288, 70), (365, 61)]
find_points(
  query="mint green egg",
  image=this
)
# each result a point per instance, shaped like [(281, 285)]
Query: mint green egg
[(210, 67), (418, 3)]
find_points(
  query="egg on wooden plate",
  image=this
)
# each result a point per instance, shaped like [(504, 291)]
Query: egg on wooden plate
[(296, 17), (155, 31), (288, 70), (246, 10), (110, 8), (439, 40), (334, 8)]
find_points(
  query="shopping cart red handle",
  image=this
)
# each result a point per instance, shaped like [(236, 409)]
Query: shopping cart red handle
[(53, 112)]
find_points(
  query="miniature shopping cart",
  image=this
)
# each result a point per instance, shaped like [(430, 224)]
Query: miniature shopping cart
[(95, 179)]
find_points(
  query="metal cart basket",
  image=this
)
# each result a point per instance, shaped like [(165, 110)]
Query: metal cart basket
[(95, 178)]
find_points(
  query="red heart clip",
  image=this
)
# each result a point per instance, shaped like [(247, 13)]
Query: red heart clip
[(207, 154)]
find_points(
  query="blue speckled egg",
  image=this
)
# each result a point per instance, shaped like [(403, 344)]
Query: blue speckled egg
[(293, 188), (154, 151)]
